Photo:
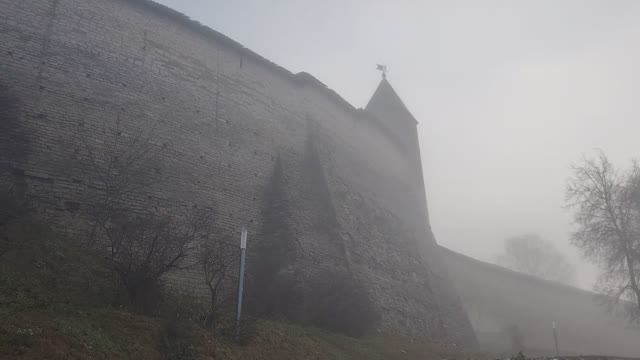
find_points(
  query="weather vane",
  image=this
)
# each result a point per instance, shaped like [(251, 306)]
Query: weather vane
[(384, 70)]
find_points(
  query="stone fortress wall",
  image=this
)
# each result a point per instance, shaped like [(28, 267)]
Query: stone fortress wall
[(499, 301), (340, 187)]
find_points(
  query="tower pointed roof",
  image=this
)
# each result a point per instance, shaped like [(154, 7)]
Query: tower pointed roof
[(386, 105)]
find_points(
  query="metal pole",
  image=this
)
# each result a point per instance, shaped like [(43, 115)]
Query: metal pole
[(555, 337), (243, 247)]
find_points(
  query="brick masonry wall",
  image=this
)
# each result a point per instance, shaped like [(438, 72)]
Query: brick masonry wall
[(225, 116)]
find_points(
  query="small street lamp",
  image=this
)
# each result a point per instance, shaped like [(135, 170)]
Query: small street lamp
[(555, 337)]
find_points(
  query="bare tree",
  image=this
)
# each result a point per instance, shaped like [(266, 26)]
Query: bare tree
[(532, 255), (123, 165), (218, 257), (606, 205)]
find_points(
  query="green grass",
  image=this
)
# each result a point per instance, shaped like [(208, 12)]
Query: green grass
[(281, 340), (84, 332)]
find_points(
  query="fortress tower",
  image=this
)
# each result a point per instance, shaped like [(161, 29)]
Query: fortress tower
[(387, 107)]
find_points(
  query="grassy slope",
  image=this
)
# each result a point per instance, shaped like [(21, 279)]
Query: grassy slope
[(96, 334), (55, 304), (114, 334), (286, 341)]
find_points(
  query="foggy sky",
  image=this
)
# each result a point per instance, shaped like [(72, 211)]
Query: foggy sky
[(508, 94)]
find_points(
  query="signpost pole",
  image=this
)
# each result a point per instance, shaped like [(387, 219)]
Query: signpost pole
[(243, 248)]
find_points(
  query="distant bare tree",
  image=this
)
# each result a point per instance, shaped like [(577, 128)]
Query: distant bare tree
[(532, 255), (606, 205), (217, 257)]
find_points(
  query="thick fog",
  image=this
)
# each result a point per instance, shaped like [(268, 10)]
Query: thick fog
[(507, 94)]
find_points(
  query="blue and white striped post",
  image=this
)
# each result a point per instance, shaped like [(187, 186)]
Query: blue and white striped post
[(243, 248)]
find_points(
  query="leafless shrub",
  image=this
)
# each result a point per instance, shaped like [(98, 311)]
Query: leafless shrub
[(217, 257), (144, 248)]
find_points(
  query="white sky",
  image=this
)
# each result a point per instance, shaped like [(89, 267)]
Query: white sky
[(507, 93)]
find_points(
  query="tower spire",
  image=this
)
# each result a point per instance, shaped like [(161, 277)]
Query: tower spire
[(387, 105)]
